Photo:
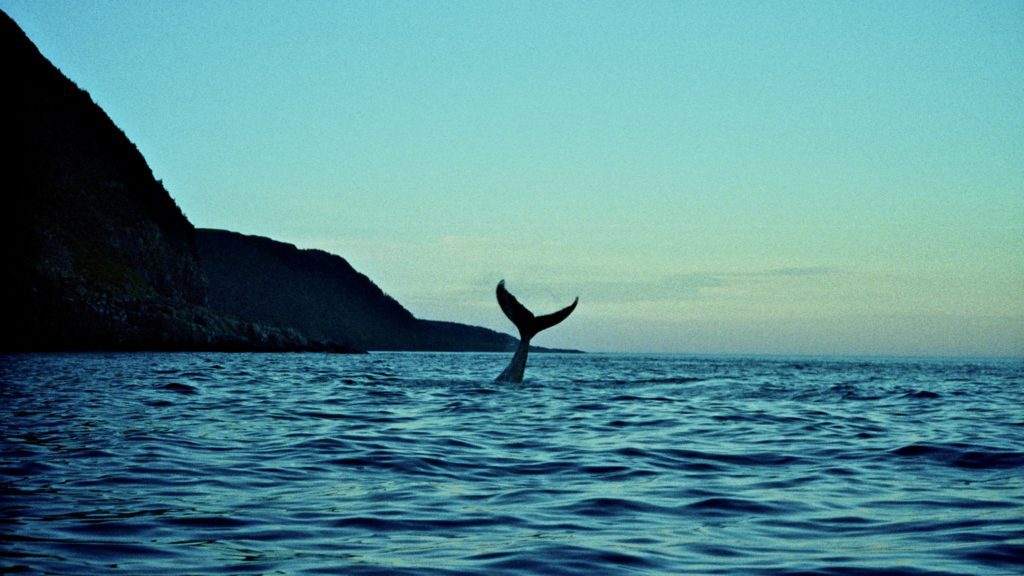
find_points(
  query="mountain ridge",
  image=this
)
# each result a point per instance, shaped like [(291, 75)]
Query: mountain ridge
[(256, 277)]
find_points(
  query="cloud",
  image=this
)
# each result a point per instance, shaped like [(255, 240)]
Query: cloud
[(673, 287), (792, 271), (688, 286)]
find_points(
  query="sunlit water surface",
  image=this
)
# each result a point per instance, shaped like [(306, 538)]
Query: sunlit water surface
[(598, 464)]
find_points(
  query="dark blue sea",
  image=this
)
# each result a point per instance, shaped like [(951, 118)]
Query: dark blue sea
[(397, 463)]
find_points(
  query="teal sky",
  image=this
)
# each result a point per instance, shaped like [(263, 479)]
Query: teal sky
[(739, 177)]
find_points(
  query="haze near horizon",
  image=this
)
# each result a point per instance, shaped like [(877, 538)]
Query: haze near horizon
[(791, 178)]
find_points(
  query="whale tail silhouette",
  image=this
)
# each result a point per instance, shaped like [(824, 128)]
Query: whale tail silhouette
[(528, 326)]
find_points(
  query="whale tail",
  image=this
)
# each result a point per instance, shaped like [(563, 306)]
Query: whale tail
[(528, 324)]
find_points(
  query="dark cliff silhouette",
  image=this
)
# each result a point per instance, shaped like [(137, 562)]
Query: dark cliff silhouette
[(97, 255)]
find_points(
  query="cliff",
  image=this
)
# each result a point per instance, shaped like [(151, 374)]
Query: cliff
[(96, 253)]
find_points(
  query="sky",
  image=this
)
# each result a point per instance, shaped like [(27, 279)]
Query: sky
[(841, 178)]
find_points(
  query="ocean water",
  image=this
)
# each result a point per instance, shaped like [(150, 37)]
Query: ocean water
[(597, 464)]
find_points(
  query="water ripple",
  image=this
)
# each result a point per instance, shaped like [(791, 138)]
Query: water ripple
[(419, 464)]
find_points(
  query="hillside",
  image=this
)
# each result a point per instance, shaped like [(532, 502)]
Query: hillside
[(322, 296)]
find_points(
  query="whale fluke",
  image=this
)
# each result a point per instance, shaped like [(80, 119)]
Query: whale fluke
[(528, 326)]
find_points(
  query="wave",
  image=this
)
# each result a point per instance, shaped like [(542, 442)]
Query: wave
[(960, 455)]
